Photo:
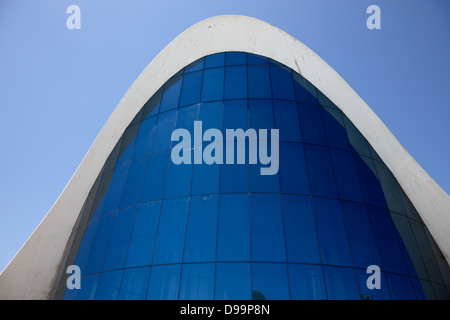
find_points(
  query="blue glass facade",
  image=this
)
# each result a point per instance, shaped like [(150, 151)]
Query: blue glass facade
[(156, 230)]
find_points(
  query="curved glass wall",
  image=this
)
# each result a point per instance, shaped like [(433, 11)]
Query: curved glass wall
[(151, 229)]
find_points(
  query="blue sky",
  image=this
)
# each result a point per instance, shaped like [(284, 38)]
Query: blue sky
[(59, 86)]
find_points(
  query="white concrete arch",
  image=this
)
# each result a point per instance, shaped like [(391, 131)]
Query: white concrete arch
[(31, 273)]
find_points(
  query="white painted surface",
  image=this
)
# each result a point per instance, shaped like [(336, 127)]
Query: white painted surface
[(31, 273)]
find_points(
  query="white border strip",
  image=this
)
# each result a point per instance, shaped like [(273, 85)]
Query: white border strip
[(31, 273)]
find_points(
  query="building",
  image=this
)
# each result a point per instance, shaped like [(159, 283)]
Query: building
[(346, 195)]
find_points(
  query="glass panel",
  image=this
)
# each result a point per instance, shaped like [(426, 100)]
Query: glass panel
[(346, 177), (273, 287), (390, 188), (235, 58), (89, 287), (409, 208), (321, 174), (195, 66), (86, 243), (205, 179), (171, 95), (137, 118), (386, 237), (215, 60), (197, 281), (263, 183), (98, 250), (259, 82), (164, 282), (369, 182), (293, 175), (341, 283), (145, 138), (423, 289), (212, 88), (261, 115), (233, 281), (127, 146), (201, 233), (235, 115), (109, 285), (171, 231), (192, 85), (178, 180), (134, 284), (301, 238), (427, 252), (404, 228), (155, 177), (114, 192), (311, 122), (306, 282), (234, 228), (445, 271), (442, 293), (267, 228), (144, 234), (323, 100), (151, 108), (282, 84), (334, 128), (211, 115), (234, 177), (236, 82), (255, 59), (99, 210), (133, 184), (332, 234), (120, 239), (286, 120), (401, 287), (358, 142), (163, 130), (362, 239), (301, 90), (409, 265)]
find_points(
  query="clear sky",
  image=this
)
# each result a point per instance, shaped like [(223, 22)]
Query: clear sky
[(59, 86)]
